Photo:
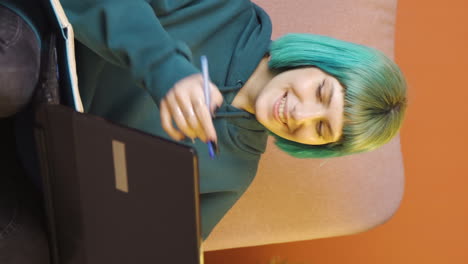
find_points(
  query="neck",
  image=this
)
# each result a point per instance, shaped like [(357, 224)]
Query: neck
[(247, 95)]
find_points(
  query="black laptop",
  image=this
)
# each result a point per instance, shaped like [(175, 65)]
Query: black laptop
[(114, 194)]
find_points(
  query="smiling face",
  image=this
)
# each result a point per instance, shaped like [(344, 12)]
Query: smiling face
[(304, 105)]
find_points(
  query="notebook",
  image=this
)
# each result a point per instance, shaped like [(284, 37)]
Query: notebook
[(114, 194)]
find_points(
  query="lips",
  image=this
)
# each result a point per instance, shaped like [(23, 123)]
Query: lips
[(280, 110)]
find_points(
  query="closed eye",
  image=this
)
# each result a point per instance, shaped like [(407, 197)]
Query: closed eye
[(331, 92), (319, 128), (324, 131)]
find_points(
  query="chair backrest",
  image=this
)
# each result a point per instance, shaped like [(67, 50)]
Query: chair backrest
[(292, 199)]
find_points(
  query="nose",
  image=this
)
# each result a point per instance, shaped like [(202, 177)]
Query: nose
[(304, 112)]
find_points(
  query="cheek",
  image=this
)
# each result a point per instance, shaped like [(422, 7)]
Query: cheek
[(260, 108), (304, 89), (264, 100)]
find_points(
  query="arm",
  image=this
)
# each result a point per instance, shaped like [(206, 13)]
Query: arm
[(129, 34)]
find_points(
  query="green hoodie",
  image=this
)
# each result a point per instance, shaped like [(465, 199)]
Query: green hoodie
[(130, 53)]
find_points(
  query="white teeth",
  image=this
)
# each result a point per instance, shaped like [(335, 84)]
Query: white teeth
[(281, 110)]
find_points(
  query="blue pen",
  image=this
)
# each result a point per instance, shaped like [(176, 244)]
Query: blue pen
[(207, 92)]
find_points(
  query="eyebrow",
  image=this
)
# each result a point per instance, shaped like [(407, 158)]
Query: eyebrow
[(332, 89)]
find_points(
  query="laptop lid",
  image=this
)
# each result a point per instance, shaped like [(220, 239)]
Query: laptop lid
[(115, 194)]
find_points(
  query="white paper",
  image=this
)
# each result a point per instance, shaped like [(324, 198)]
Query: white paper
[(70, 52)]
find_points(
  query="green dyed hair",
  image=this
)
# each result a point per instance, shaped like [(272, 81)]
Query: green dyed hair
[(375, 91)]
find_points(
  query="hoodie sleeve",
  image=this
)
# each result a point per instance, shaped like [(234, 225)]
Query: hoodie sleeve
[(129, 34)]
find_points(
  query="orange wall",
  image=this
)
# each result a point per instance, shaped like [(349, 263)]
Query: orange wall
[(432, 224)]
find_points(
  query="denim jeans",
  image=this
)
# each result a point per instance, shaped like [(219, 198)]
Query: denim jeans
[(19, 62), (22, 232)]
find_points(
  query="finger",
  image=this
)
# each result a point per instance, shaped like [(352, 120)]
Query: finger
[(166, 122), (179, 116), (196, 125), (216, 98), (204, 117), (185, 104)]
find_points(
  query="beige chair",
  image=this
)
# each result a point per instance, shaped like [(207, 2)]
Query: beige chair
[(293, 200)]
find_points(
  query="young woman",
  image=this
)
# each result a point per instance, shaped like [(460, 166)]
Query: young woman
[(138, 65)]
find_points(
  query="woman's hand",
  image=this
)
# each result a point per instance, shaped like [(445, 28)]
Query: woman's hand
[(185, 105)]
